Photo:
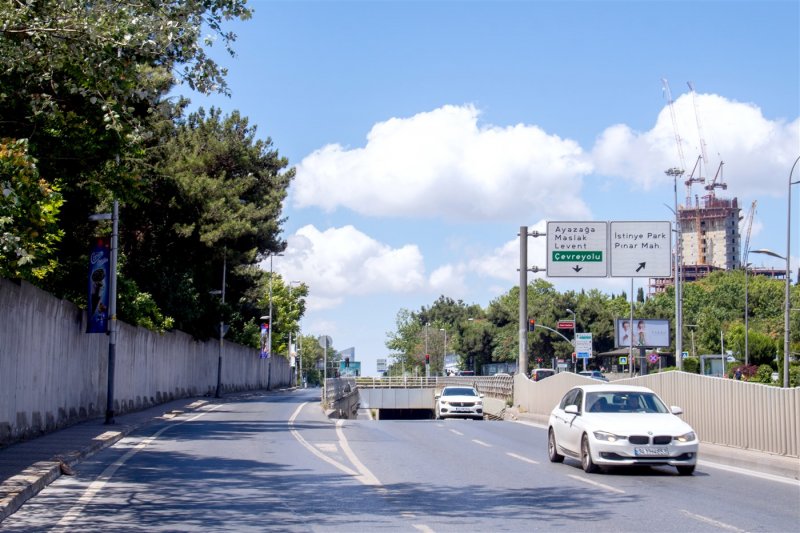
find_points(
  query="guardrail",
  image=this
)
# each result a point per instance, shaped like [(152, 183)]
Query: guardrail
[(501, 387)]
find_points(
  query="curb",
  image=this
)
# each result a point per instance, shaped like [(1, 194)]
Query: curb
[(16, 490)]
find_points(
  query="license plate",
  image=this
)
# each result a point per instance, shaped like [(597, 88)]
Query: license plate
[(462, 409), (650, 451)]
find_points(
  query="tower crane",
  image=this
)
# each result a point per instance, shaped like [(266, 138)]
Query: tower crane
[(679, 143), (748, 222), (717, 184)]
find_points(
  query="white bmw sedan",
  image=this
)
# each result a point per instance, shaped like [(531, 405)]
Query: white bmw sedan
[(459, 402), (619, 425)]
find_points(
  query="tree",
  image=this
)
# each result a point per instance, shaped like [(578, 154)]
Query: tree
[(214, 196), (29, 208)]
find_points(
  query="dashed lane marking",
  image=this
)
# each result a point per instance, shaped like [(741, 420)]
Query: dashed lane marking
[(599, 485), (521, 458), (711, 521)]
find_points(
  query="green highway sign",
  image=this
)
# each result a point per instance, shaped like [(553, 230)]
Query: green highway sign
[(592, 256)]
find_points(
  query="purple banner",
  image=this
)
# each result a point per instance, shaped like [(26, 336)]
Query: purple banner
[(264, 340), (99, 264)]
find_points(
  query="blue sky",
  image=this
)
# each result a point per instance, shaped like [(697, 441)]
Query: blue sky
[(426, 133)]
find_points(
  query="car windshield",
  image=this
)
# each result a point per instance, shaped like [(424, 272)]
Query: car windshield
[(624, 402), (459, 391)]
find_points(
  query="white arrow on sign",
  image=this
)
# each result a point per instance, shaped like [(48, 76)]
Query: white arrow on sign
[(640, 249)]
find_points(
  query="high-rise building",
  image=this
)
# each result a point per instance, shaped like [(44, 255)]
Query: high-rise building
[(710, 234)]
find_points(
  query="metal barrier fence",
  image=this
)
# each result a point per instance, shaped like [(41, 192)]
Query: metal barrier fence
[(500, 387), (722, 411)]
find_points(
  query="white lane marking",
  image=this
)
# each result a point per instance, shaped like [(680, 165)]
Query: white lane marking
[(457, 432), (707, 520), (596, 484), (328, 447), (476, 441), (521, 458), (106, 475), (423, 527), (753, 473), (366, 477), (312, 449)]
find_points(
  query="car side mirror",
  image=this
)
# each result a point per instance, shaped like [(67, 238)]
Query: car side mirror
[(481, 395), (675, 410), (436, 397), (571, 409)]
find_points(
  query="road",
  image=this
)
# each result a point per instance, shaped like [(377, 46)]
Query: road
[(275, 462)]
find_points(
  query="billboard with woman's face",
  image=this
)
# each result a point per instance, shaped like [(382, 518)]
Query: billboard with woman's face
[(648, 333)]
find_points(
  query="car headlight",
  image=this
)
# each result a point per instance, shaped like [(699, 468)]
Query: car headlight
[(689, 437), (606, 436), (479, 403)]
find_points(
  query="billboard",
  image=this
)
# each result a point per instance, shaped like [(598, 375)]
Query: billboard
[(649, 333)]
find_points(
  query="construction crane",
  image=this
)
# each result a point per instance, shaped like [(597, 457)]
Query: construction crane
[(679, 144), (748, 223), (717, 184), (718, 176)]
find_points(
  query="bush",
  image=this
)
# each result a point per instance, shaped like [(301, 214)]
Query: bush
[(691, 365), (763, 375)]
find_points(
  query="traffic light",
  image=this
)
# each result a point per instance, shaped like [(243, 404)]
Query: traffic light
[(427, 359), (531, 324), (347, 362)]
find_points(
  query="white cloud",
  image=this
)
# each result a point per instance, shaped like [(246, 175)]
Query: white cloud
[(344, 261), (449, 280), (443, 163), (757, 152)]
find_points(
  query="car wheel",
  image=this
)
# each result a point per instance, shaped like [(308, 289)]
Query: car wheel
[(687, 470), (586, 456), (552, 449)]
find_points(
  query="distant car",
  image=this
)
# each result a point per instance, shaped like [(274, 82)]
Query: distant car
[(620, 425), (459, 402), (466, 373), (594, 374), (503, 374), (538, 374)]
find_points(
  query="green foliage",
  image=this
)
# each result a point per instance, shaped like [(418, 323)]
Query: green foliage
[(691, 365), (29, 209), (763, 375)]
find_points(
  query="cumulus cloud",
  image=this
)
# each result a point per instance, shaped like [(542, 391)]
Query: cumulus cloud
[(344, 261), (449, 280), (444, 163), (757, 151)]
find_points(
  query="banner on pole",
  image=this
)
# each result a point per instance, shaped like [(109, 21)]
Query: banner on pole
[(264, 340), (99, 275)]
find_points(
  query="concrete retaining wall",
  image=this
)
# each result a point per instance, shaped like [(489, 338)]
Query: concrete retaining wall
[(52, 374)]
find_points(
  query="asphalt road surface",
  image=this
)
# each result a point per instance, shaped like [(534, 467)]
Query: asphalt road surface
[(275, 462)]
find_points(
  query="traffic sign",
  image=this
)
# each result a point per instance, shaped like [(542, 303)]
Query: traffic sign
[(566, 324), (325, 341), (623, 360), (577, 249), (653, 357), (640, 249), (583, 345)]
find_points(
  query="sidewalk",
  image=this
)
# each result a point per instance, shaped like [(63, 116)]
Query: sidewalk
[(28, 467), (765, 463)]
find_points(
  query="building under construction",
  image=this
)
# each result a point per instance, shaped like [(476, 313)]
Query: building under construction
[(710, 241), (709, 238)]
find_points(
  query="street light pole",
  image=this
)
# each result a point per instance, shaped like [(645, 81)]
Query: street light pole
[(575, 335), (112, 307), (218, 392), (786, 310), (675, 173), (289, 323), (787, 296), (444, 352), (746, 314)]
